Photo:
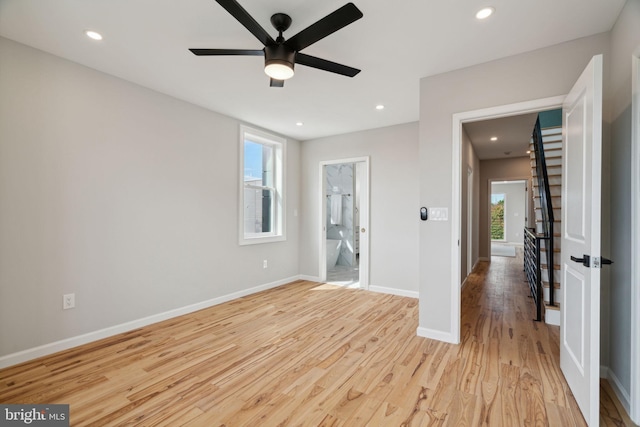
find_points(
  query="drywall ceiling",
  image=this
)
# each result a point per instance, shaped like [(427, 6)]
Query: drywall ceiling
[(513, 136), (395, 44)]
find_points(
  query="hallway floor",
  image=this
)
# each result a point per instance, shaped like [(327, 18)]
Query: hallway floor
[(498, 312)]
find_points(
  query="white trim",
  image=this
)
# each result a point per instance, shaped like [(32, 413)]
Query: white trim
[(54, 347), (464, 282), (470, 218), (619, 390), (604, 372), (394, 291), (309, 278), (365, 196), (437, 335), (484, 258), (635, 241), (458, 119)]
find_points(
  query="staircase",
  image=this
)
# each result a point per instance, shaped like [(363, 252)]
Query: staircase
[(552, 143)]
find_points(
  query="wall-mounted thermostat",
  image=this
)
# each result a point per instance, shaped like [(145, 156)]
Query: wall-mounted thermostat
[(423, 214)]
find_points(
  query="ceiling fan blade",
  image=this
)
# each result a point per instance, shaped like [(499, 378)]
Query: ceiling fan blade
[(207, 52), (238, 12), (323, 64), (276, 83), (327, 25)]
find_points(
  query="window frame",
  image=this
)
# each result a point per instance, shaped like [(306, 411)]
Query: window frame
[(278, 189)]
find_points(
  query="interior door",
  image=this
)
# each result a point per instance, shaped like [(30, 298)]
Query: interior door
[(581, 159)]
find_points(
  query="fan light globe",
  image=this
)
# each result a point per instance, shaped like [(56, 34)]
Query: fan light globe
[(278, 71)]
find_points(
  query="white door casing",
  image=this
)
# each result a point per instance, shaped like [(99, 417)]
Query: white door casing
[(470, 260), (581, 158)]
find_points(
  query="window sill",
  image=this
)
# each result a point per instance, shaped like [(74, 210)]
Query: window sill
[(246, 240)]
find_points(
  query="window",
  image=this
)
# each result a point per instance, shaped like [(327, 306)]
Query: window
[(262, 158), (497, 216)]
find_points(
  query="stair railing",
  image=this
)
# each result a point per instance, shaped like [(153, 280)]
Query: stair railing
[(546, 207), (532, 267)]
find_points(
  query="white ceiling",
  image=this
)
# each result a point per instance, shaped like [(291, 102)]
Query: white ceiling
[(395, 44), (513, 133)]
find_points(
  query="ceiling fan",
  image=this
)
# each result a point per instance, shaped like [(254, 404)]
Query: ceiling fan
[(280, 55)]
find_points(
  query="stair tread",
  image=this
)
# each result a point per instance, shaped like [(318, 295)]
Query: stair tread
[(550, 175), (555, 250), (546, 285), (549, 149), (533, 167), (556, 267), (552, 307)]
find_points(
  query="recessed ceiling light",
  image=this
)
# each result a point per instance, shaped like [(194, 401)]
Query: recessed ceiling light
[(528, 151), (485, 13), (299, 123), (93, 35), (494, 138), (379, 107)]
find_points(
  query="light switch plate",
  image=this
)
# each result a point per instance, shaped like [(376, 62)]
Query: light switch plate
[(439, 214)]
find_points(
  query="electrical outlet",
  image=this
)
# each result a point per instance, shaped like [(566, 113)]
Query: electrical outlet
[(265, 264), (68, 301)]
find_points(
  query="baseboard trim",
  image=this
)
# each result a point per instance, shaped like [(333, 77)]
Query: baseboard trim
[(436, 335), (65, 344), (309, 278), (616, 385), (394, 291)]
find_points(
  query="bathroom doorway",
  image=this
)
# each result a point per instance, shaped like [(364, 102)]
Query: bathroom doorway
[(344, 237)]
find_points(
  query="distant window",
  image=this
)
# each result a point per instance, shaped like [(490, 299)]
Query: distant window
[(262, 158), (497, 216)]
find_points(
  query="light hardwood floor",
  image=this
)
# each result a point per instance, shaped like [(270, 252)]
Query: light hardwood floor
[(316, 355)]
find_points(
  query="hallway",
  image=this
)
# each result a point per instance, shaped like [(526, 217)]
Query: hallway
[(522, 356)]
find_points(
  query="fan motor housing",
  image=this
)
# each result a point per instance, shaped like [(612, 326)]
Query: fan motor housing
[(279, 54)]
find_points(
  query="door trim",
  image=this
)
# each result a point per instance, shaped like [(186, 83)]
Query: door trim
[(635, 241), (470, 212), (365, 192), (458, 119)]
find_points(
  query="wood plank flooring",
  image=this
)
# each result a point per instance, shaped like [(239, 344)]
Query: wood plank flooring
[(309, 354)]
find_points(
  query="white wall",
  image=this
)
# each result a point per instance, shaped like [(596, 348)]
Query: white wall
[(625, 41), (534, 75), (124, 196), (394, 210), (515, 209)]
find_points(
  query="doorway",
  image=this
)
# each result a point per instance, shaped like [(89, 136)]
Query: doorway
[(459, 119), (507, 216), (344, 228)]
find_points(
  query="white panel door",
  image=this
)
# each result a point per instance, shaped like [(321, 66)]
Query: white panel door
[(580, 324)]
